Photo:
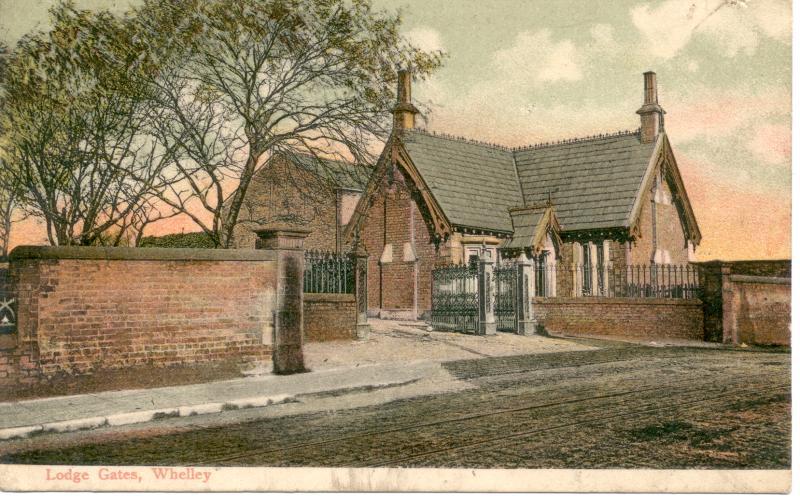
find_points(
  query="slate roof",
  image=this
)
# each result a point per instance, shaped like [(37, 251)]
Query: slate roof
[(474, 183), (525, 225), (343, 174), (592, 182)]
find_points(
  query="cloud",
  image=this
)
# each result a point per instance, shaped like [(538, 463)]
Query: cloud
[(603, 37), (537, 58), (772, 143), (733, 26), (774, 18), (425, 38), (711, 113)]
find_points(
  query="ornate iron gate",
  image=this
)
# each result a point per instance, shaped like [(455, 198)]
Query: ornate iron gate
[(454, 298), (505, 297)]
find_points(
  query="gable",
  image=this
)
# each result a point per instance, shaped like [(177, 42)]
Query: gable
[(395, 156), (664, 159), (531, 228)]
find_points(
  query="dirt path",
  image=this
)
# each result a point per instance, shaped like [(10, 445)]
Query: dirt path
[(619, 407)]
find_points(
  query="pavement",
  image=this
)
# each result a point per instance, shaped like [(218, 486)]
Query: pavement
[(402, 359)]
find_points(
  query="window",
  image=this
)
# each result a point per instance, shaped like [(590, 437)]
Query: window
[(586, 270), (601, 270), (472, 255), (541, 270)]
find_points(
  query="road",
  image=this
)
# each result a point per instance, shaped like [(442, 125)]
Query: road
[(621, 406)]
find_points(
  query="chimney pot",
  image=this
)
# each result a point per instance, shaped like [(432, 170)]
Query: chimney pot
[(650, 88), (404, 111), (403, 86), (652, 115)]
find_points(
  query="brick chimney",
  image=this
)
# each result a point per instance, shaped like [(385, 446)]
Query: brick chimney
[(651, 113), (404, 111)]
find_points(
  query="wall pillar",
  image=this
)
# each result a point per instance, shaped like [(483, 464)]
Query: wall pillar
[(360, 288), (287, 353), (717, 296), (524, 306), (486, 321)]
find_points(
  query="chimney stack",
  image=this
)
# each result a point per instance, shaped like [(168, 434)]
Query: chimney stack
[(651, 113), (404, 111)]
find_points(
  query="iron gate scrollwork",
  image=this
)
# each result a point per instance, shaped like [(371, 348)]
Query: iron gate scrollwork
[(505, 299), (454, 298), (7, 314)]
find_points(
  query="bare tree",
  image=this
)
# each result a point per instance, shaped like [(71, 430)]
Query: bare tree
[(76, 127), (10, 212), (241, 81)]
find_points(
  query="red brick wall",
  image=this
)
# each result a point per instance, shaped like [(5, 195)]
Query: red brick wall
[(372, 237), (329, 317), (426, 260), (747, 301), (398, 282), (761, 310), (669, 231), (83, 315), (288, 195), (395, 218), (643, 318)]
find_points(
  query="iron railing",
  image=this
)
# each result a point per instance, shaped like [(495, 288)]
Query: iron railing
[(454, 298), (8, 314), (632, 281), (328, 272)]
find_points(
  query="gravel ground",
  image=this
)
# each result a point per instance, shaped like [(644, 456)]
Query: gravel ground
[(398, 341), (622, 406)]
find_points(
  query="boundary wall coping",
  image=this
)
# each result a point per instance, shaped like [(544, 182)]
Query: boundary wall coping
[(141, 253), (328, 297), (617, 300), (761, 280)]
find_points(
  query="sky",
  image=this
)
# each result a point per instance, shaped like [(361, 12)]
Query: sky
[(527, 71)]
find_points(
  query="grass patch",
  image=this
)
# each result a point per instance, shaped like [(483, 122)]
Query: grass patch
[(163, 415), (749, 404), (666, 430), (678, 430)]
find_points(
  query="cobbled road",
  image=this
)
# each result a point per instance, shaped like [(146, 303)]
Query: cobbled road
[(621, 406)]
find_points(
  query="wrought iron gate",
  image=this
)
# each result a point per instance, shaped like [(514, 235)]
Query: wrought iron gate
[(505, 297), (454, 298)]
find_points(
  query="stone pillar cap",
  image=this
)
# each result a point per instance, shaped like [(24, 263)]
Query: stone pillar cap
[(284, 230)]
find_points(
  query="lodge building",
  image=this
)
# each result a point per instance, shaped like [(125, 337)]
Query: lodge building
[(592, 205)]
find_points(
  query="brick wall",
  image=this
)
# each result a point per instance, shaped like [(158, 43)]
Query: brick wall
[(643, 318), (397, 277), (329, 317), (394, 218), (92, 309), (5, 284), (372, 238), (289, 195), (669, 230), (761, 308), (747, 301)]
